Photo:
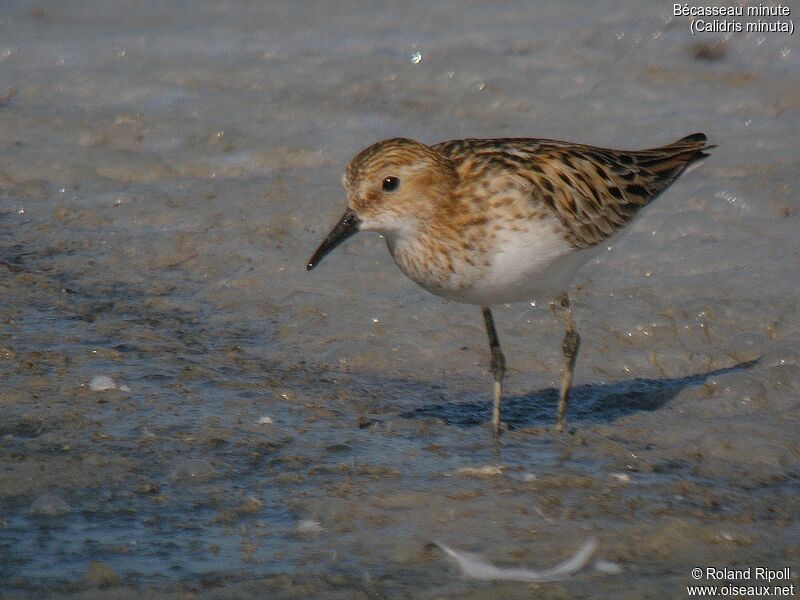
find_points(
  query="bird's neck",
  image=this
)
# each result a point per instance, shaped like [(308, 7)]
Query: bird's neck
[(427, 254)]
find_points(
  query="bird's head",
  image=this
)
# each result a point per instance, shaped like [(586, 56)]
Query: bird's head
[(393, 187)]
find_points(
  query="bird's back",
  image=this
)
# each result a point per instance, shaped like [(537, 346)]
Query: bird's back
[(592, 191)]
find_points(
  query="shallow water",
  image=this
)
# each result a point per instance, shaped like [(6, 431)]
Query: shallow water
[(166, 170)]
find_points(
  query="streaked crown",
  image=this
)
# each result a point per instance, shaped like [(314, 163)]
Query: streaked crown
[(394, 183)]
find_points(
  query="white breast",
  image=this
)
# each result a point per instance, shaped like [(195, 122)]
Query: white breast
[(536, 263)]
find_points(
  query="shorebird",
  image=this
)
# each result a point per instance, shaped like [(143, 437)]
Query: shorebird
[(494, 221)]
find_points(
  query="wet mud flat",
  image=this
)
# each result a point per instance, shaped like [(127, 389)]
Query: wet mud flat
[(186, 413)]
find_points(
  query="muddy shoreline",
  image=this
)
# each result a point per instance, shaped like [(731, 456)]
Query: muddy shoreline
[(186, 413)]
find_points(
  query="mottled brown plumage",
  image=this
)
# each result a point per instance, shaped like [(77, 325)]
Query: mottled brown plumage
[(502, 220), (593, 191)]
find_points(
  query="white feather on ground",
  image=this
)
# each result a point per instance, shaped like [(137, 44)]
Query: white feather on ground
[(472, 565)]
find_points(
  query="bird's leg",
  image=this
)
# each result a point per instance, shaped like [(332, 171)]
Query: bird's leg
[(498, 368), (569, 347)]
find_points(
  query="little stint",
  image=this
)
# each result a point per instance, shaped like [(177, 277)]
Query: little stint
[(492, 221)]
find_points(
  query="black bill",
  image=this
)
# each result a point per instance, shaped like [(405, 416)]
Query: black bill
[(347, 226)]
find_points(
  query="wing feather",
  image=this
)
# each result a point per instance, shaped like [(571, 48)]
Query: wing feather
[(593, 191)]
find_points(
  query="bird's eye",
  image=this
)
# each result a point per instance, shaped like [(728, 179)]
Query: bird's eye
[(390, 184)]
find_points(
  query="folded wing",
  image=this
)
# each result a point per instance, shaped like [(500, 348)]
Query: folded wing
[(593, 191)]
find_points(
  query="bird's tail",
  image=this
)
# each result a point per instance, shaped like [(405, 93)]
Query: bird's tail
[(667, 162)]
